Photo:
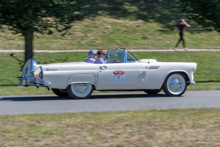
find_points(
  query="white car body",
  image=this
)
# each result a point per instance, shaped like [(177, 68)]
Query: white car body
[(129, 74)]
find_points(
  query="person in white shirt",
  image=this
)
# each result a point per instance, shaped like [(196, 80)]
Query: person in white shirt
[(92, 56)]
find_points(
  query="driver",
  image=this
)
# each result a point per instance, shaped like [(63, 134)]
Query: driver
[(91, 58)]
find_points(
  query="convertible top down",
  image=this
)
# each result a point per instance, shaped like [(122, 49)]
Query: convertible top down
[(122, 71)]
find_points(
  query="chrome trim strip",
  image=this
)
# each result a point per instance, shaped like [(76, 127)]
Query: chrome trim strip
[(192, 83), (153, 67)]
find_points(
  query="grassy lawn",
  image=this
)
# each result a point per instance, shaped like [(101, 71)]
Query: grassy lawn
[(177, 128), (106, 33), (206, 76)]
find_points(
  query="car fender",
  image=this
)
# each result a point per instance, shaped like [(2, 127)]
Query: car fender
[(81, 78), (188, 77)]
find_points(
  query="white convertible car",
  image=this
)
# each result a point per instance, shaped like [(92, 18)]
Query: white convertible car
[(122, 71)]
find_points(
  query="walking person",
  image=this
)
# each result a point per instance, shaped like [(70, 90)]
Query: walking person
[(181, 27)]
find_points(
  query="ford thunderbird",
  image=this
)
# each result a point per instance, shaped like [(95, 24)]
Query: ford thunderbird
[(122, 71)]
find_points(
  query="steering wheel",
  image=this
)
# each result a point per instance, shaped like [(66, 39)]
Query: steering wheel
[(116, 61)]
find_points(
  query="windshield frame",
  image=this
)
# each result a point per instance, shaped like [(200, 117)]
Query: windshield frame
[(125, 53)]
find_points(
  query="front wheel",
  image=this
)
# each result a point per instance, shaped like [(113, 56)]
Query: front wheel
[(175, 84), (80, 90)]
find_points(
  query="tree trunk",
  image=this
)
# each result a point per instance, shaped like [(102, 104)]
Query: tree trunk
[(28, 36)]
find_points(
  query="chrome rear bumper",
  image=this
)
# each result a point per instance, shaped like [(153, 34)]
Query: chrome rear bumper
[(28, 81)]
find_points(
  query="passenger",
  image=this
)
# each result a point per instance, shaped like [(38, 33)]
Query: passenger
[(91, 58), (100, 56)]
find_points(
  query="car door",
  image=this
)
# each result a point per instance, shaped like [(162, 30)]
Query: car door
[(117, 74), (152, 75)]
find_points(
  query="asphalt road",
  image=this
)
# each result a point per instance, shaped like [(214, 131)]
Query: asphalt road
[(107, 102)]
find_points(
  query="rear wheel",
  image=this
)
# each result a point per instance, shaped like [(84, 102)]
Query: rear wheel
[(152, 91), (175, 84), (80, 90), (60, 92)]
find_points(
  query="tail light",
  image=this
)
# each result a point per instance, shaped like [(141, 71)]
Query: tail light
[(39, 74)]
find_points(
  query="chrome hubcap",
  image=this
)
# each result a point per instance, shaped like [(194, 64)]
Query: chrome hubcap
[(80, 87), (175, 84)]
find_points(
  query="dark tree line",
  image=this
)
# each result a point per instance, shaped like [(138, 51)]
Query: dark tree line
[(204, 12)]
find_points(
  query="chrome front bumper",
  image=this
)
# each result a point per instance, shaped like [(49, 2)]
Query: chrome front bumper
[(192, 83), (29, 81)]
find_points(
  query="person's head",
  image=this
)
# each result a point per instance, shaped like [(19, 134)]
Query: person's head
[(101, 53), (182, 20), (92, 53)]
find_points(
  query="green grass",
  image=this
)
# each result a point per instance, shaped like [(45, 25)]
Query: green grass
[(18, 90), (106, 33), (206, 76), (178, 128), (122, 23)]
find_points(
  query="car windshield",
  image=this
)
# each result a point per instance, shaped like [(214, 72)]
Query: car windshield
[(119, 56)]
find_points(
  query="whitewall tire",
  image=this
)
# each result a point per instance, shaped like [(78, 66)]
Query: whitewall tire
[(175, 84), (80, 90)]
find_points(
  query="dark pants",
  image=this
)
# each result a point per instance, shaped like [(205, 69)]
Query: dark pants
[(182, 39)]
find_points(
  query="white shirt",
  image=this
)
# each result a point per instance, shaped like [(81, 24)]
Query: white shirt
[(90, 60)]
